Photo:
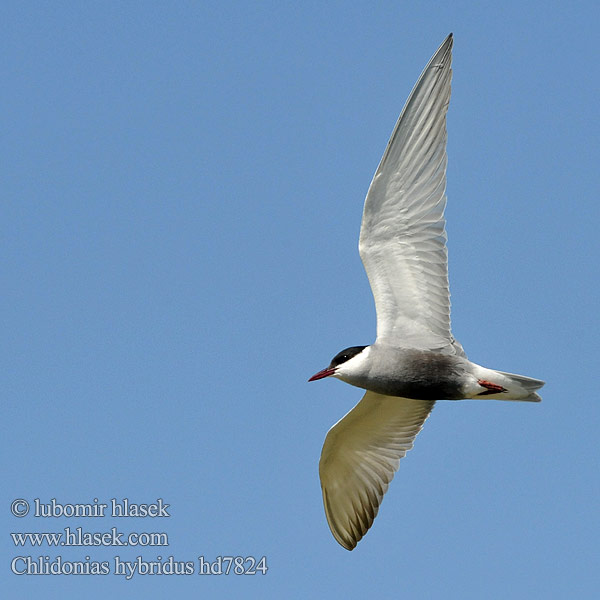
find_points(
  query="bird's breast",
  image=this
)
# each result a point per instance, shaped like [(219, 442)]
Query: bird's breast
[(417, 374)]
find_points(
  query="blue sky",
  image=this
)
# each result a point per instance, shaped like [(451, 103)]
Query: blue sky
[(183, 188)]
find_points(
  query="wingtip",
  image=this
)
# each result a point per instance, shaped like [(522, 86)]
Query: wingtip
[(346, 543), (445, 47)]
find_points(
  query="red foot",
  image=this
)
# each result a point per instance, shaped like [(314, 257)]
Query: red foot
[(492, 388)]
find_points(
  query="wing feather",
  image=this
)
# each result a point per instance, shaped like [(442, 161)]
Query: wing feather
[(360, 455), (403, 238)]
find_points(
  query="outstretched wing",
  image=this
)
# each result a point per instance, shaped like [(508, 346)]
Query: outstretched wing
[(360, 455), (402, 237)]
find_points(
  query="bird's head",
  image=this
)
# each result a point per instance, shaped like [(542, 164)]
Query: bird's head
[(339, 363)]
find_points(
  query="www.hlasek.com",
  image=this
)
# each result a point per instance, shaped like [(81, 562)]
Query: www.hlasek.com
[(78, 537), (221, 565)]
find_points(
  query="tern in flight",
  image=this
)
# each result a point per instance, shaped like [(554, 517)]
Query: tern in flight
[(415, 360)]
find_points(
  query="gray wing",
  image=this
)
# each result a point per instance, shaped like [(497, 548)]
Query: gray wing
[(402, 237), (360, 455)]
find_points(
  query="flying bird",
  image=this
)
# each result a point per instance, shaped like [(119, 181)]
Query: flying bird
[(415, 359)]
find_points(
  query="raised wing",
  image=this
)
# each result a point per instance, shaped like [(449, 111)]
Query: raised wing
[(402, 237), (360, 455)]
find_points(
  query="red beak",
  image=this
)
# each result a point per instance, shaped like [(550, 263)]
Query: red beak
[(324, 373)]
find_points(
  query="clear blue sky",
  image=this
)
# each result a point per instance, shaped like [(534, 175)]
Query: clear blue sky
[(182, 191)]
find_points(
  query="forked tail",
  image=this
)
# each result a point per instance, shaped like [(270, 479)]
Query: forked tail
[(520, 383)]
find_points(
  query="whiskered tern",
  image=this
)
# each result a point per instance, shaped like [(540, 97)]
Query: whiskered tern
[(415, 360)]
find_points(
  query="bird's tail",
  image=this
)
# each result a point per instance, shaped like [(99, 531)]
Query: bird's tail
[(525, 387)]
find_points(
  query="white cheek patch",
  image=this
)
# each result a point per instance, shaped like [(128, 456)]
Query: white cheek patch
[(357, 365)]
